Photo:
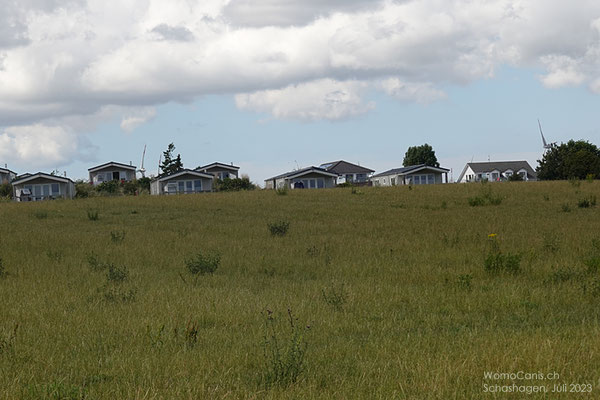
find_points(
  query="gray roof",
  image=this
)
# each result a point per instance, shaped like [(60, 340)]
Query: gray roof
[(183, 172), (29, 177), (111, 164), (218, 164), (344, 167), (7, 171), (502, 166), (409, 169), (302, 171)]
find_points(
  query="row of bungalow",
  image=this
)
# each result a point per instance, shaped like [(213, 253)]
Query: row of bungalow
[(42, 186)]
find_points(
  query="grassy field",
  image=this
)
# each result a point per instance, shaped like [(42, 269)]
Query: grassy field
[(372, 293)]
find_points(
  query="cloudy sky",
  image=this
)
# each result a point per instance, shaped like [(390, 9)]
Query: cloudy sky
[(274, 84)]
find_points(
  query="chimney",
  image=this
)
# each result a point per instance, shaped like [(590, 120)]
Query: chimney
[(65, 173)]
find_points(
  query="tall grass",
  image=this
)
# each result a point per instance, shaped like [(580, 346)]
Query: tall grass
[(417, 316)]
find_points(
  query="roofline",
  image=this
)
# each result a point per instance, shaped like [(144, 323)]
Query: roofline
[(413, 168), (41, 175), (99, 167), (335, 164), (8, 170), (233, 167), (309, 170), (183, 172)]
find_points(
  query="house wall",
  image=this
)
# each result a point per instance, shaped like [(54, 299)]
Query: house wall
[(106, 174), (328, 181), (411, 178), (221, 173), (354, 178), (184, 184), (41, 189), (6, 177), (469, 176)]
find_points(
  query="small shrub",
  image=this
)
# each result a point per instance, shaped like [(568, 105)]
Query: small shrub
[(95, 263), (562, 275), (282, 191), (284, 357), (278, 228), (354, 190), (92, 215), (590, 178), (444, 205), (565, 207), (464, 282), (7, 340), (496, 261), (587, 202), (191, 334), (201, 264), (83, 190), (476, 201), (335, 296), (546, 197), (116, 274), (593, 264), (117, 236)]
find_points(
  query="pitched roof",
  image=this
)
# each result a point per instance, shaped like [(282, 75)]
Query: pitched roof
[(218, 164), (502, 166), (344, 167), (29, 177), (7, 171), (410, 169), (303, 171), (111, 164), (184, 172)]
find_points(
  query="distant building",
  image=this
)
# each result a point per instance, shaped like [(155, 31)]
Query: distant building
[(348, 172), (305, 178), (42, 186), (186, 181), (111, 171), (220, 171), (496, 171), (412, 175), (6, 176)]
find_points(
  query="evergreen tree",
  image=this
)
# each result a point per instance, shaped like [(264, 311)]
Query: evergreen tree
[(170, 164)]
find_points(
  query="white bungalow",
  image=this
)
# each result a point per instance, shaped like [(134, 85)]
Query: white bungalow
[(111, 171), (496, 171), (220, 171), (42, 186), (6, 176), (348, 172), (412, 175), (186, 181), (306, 178)]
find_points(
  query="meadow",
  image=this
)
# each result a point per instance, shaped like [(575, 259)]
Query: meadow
[(375, 293)]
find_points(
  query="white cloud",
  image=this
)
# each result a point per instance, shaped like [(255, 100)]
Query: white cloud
[(312, 101), (136, 118), (63, 59), (411, 91), (42, 146)]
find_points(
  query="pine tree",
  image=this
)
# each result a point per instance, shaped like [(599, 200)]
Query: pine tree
[(170, 165)]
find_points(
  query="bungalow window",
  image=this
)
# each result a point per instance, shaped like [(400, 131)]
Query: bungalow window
[(37, 191), (495, 176), (361, 177), (198, 185), (100, 178), (349, 178), (181, 186), (189, 186), (417, 179), (55, 189), (430, 179), (320, 183), (172, 187)]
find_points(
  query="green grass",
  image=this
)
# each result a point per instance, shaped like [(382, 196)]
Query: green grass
[(388, 291)]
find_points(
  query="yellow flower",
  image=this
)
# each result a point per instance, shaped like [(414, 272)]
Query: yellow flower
[(492, 236)]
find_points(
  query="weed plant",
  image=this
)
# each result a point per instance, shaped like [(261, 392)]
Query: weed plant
[(278, 228), (201, 264)]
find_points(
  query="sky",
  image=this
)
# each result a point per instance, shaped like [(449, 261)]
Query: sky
[(274, 85)]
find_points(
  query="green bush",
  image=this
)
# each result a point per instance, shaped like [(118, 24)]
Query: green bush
[(234, 184), (587, 202), (83, 189), (6, 190), (201, 264), (278, 228)]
